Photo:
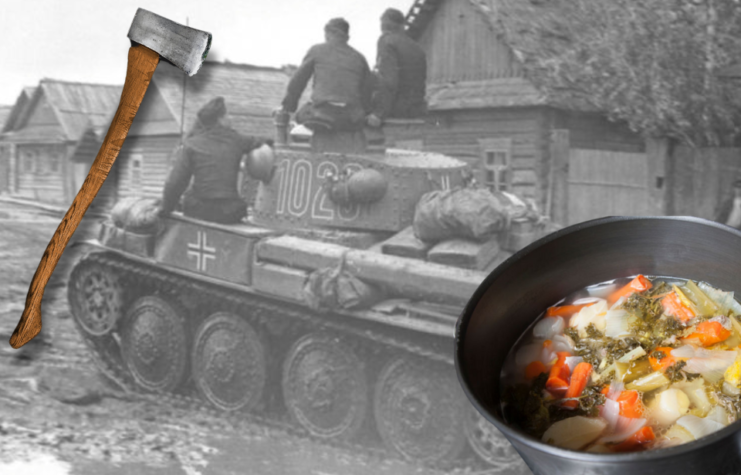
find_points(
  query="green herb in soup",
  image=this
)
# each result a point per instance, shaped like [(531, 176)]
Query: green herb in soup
[(628, 365)]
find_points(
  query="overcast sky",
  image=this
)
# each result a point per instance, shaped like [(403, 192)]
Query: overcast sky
[(85, 40)]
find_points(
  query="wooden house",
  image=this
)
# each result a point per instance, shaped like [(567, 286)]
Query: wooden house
[(169, 110), (4, 154), (42, 133), (488, 107)]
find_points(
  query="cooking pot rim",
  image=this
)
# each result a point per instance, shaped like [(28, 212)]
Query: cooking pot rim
[(462, 325)]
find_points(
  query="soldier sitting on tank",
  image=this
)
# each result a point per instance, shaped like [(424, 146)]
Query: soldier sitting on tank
[(341, 92), (211, 156), (400, 75)]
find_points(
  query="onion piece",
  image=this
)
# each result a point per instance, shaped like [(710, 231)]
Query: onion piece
[(626, 426), (699, 427), (548, 327), (695, 391), (632, 354), (615, 390), (562, 343), (712, 365), (528, 353), (617, 324), (610, 411), (572, 361)]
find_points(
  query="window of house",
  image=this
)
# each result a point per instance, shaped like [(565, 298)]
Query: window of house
[(135, 173), (497, 163), (55, 162), (29, 161)]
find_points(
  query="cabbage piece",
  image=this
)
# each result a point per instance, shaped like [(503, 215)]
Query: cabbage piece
[(699, 426), (650, 382), (593, 314), (698, 396), (617, 324), (724, 300), (632, 355), (705, 305), (575, 432), (676, 435), (718, 414)]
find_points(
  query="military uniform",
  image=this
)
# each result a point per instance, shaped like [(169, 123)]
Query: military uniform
[(211, 157), (402, 74)]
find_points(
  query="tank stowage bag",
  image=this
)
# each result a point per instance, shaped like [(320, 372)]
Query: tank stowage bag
[(138, 215), (334, 288), (473, 213)]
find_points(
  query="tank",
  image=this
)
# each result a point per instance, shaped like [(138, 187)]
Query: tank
[(322, 309)]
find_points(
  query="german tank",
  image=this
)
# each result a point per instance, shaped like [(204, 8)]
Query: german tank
[(323, 308)]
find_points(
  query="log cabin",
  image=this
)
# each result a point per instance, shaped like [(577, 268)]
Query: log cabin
[(42, 133), (487, 106)]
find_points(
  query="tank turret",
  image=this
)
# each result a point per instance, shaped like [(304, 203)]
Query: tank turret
[(377, 190)]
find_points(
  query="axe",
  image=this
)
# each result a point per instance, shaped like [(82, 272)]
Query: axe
[(152, 38)]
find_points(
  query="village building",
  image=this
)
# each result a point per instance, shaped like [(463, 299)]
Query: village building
[(486, 107), (42, 133), (169, 110), (4, 154)]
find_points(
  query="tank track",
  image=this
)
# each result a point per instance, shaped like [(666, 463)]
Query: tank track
[(104, 354)]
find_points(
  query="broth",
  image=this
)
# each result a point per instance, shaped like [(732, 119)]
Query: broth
[(631, 364)]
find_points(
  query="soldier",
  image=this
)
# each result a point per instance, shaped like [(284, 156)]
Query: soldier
[(401, 70), (340, 97), (211, 155)]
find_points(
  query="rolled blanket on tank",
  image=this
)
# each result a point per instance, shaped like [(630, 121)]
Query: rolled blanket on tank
[(137, 215)]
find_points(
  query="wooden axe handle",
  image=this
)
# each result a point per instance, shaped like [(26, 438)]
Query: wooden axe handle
[(142, 63)]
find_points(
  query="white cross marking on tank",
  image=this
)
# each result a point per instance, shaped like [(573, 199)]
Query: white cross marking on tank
[(201, 251)]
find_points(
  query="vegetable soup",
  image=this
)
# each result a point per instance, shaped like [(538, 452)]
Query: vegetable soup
[(632, 364)]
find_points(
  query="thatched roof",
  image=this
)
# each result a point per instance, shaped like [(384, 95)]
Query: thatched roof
[(533, 30)]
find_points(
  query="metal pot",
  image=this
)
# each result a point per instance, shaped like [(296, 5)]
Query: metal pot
[(511, 298)]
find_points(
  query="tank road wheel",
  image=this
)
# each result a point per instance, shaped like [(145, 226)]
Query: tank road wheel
[(418, 411), (491, 445), (154, 344), (229, 362), (96, 298), (324, 386)]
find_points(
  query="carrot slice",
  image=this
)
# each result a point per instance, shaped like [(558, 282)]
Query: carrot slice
[(558, 379), (664, 362), (639, 284), (630, 404), (565, 310), (674, 307), (534, 369), (709, 333), (636, 441), (579, 379)]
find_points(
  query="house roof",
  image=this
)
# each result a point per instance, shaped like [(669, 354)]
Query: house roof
[(4, 114), (18, 109), (532, 29), (77, 106), (251, 93)]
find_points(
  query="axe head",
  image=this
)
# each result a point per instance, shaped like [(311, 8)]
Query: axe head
[(177, 44)]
